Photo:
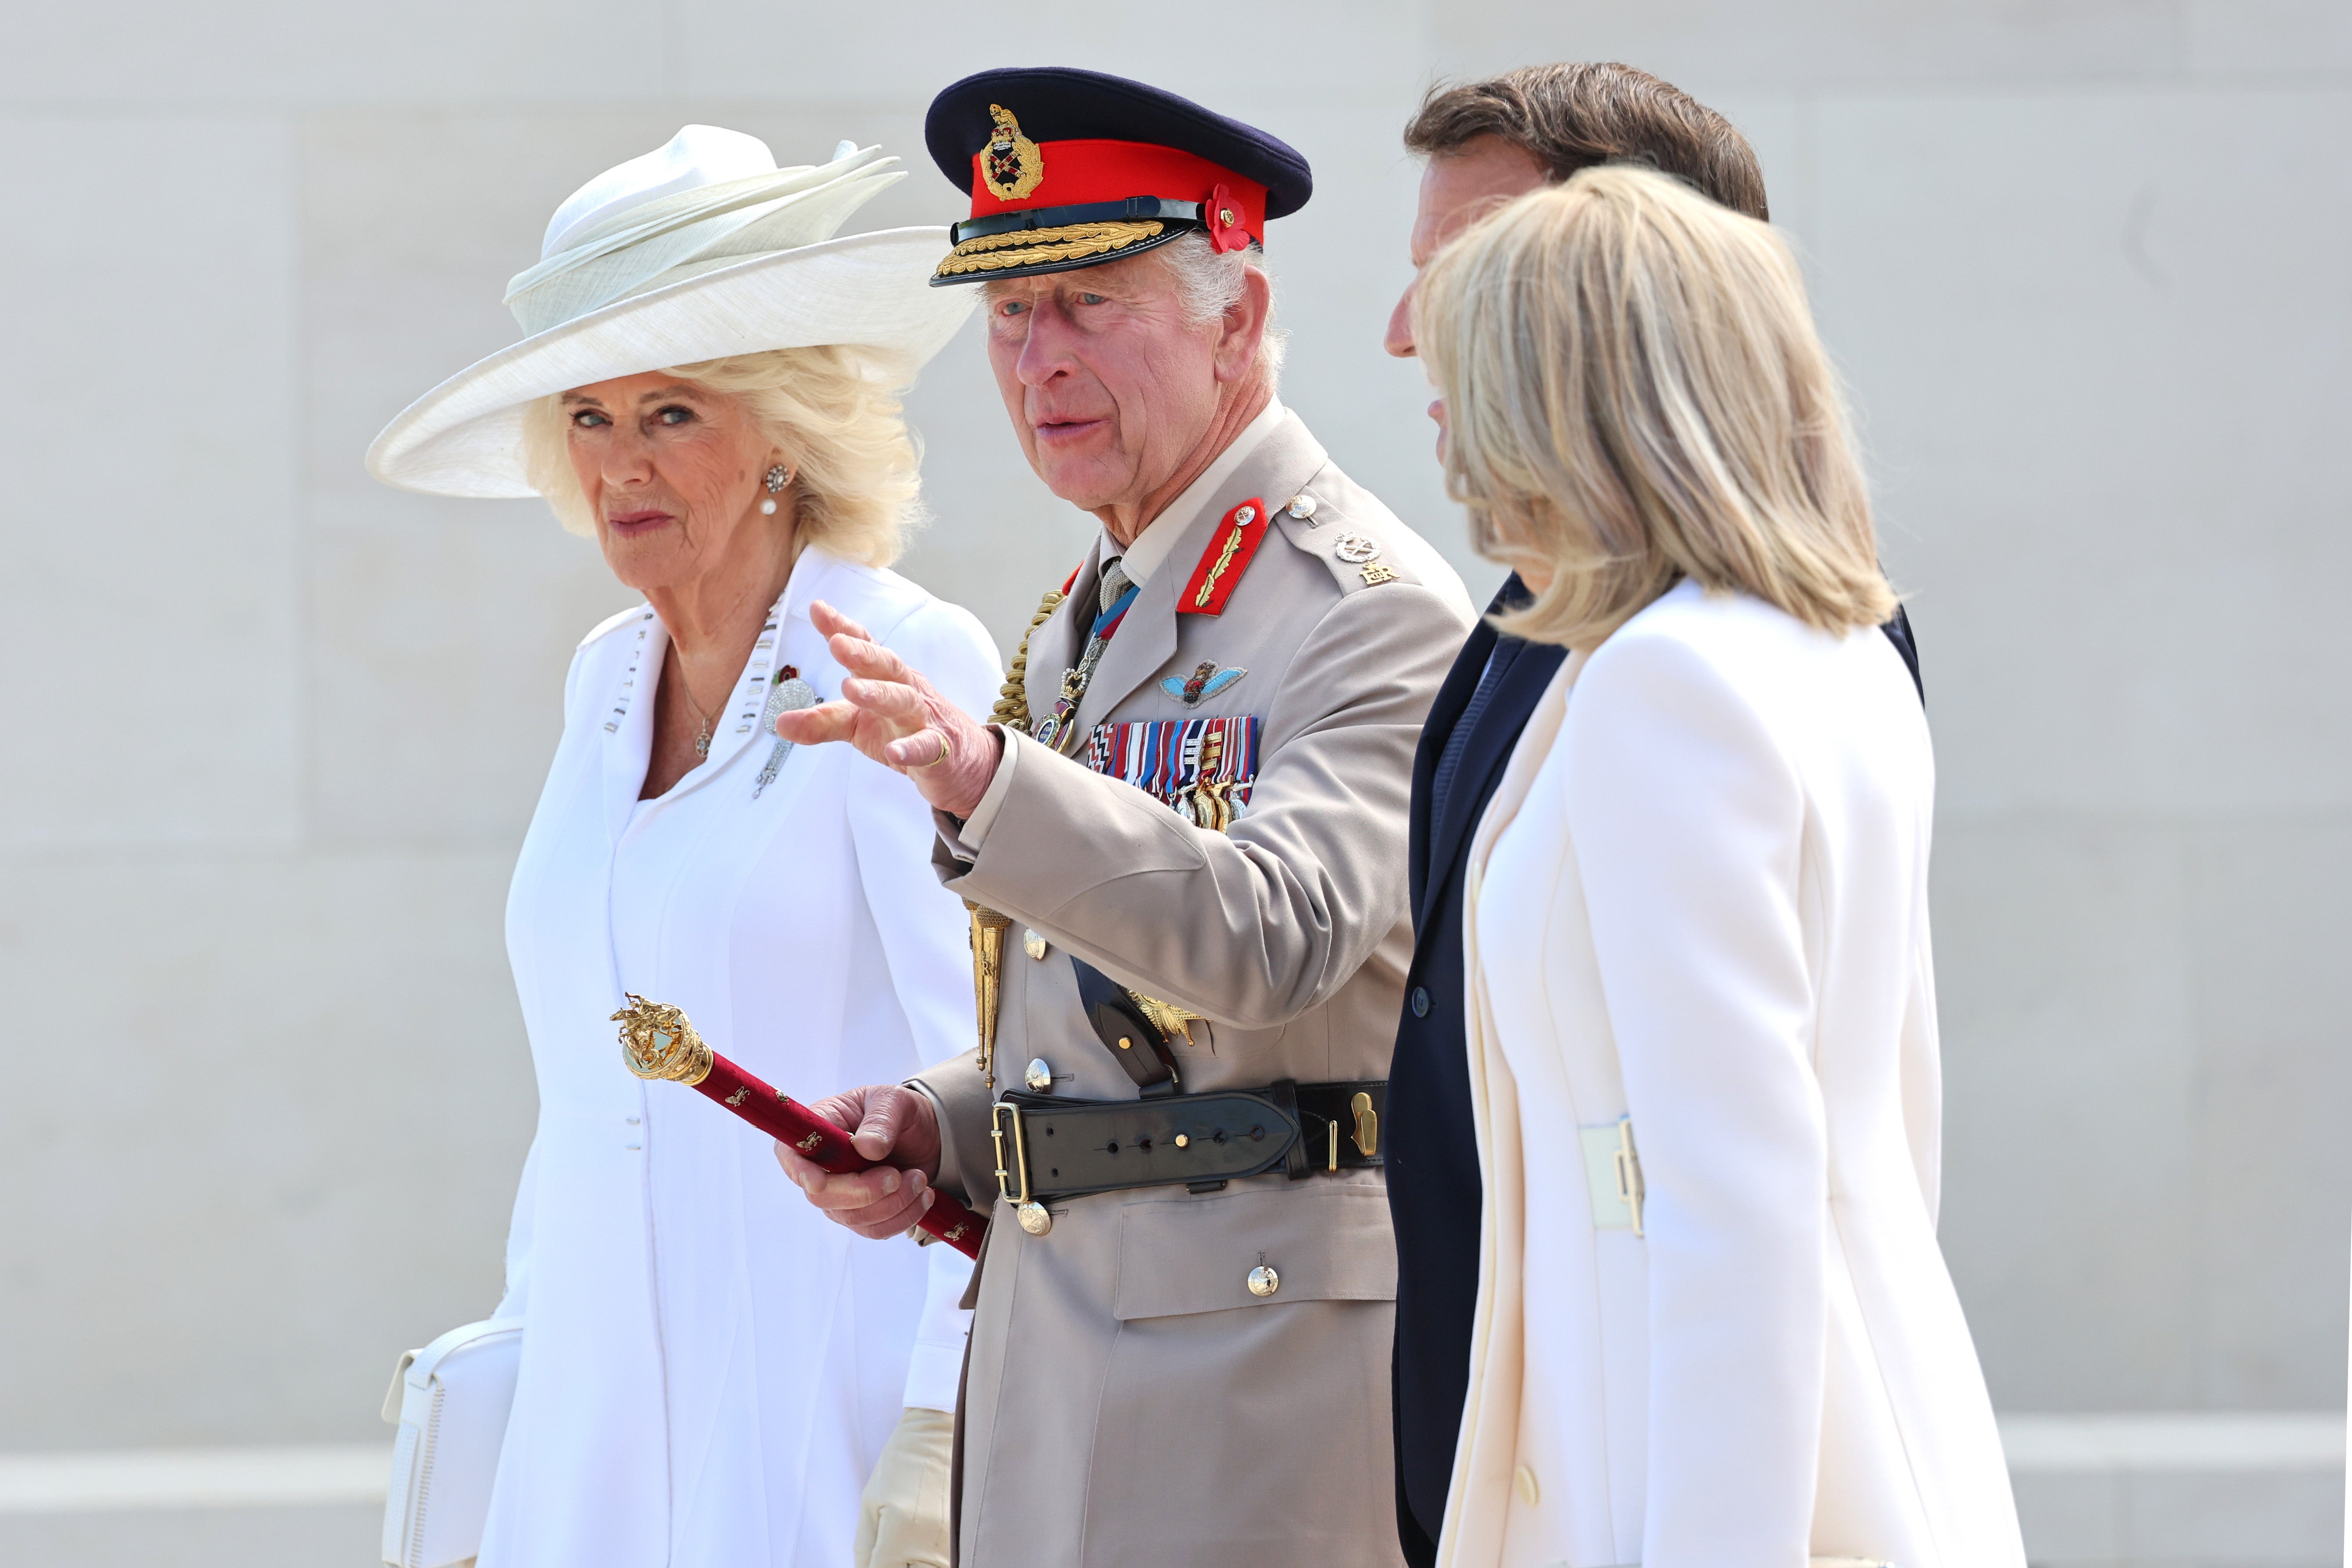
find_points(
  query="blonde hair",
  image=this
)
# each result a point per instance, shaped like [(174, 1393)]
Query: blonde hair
[(1634, 394), (856, 465)]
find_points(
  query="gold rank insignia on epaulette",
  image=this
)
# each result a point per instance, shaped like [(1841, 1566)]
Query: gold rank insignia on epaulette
[(1364, 553), (1240, 533)]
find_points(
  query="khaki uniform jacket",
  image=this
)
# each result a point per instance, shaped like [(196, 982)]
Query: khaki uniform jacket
[(1128, 1400)]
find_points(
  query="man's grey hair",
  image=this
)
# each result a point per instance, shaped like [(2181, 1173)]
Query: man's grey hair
[(1211, 282)]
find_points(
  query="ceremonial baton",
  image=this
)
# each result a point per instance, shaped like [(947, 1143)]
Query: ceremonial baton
[(658, 1042)]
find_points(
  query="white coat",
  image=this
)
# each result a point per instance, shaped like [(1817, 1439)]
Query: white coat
[(1699, 899), (709, 1367)]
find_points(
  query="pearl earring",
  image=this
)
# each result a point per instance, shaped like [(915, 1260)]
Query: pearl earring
[(777, 478)]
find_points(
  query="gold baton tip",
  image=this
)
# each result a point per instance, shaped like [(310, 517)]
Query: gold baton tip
[(658, 1041)]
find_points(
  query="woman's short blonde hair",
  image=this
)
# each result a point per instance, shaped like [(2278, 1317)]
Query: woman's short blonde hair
[(1636, 393), (855, 465)]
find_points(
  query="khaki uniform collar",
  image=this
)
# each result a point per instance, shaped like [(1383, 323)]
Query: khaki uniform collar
[(1152, 547), (1283, 459)]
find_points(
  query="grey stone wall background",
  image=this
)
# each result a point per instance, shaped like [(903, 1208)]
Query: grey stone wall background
[(276, 732)]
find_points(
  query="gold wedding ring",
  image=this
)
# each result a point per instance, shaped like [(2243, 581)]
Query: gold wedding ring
[(942, 757)]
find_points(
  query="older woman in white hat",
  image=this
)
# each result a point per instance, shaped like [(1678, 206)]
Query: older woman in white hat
[(708, 1370)]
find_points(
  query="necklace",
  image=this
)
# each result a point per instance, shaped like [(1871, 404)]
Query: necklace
[(702, 736)]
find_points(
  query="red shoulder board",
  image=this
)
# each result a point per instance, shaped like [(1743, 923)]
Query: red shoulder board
[(1071, 581), (1223, 564)]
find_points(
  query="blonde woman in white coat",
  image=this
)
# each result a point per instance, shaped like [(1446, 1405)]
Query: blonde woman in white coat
[(709, 1372), (1714, 1328)]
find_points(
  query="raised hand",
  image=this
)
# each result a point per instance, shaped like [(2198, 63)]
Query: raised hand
[(893, 715), (885, 1121)]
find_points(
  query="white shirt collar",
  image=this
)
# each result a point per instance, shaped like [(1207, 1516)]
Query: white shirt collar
[(1142, 558)]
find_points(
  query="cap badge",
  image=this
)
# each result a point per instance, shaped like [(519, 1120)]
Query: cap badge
[(1011, 165)]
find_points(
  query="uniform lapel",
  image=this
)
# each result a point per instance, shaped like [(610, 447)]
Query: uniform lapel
[(1146, 635), (1054, 646), (1283, 462)]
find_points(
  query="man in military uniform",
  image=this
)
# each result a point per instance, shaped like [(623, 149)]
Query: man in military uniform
[(1185, 838)]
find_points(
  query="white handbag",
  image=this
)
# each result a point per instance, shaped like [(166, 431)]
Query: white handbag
[(451, 1399)]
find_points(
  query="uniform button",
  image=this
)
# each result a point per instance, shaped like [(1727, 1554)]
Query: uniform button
[(1420, 1001), (1525, 1481), (1263, 1281), (1038, 1075)]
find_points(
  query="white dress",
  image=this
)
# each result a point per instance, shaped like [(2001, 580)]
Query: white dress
[(708, 1366), (1698, 901)]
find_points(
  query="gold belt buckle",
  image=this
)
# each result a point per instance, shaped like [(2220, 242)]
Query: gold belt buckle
[(1026, 1209)]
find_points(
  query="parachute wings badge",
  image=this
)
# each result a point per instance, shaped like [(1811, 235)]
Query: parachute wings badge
[(1206, 681)]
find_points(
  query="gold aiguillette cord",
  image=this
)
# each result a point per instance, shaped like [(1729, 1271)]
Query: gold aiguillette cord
[(988, 927)]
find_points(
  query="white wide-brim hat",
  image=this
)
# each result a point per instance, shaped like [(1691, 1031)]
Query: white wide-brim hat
[(701, 249)]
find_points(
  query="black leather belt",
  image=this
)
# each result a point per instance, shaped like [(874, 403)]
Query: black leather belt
[(1049, 1147)]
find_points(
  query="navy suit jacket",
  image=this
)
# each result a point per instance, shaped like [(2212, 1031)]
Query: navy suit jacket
[(1435, 1190)]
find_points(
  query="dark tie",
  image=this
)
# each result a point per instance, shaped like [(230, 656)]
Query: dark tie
[(1449, 761)]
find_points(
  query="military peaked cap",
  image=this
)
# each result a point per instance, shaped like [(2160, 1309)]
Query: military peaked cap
[(1073, 168)]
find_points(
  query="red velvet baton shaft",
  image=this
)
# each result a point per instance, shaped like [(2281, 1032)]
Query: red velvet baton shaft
[(658, 1041), (787, 1121)]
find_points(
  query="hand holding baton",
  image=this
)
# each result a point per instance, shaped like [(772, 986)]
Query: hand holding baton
[(658, 1042)]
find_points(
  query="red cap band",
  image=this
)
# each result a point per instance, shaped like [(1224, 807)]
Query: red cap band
[(1078, 173)]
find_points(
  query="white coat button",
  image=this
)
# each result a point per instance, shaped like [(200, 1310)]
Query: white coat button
[(1302, 506), (1038, 1075), (1263, 1281), (1524, 1480)]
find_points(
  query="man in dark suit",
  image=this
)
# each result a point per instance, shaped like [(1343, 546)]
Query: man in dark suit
[(1486, 142)]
